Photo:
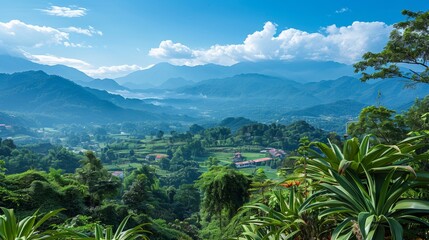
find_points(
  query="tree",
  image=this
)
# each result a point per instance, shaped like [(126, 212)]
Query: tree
[(60, 158), (159, 134), (8, 143), (139, 195), (416, 118), (212, 161), (380, 122), (99, 181), (408, 45), (224, 189), (195, 129), (188, 200)]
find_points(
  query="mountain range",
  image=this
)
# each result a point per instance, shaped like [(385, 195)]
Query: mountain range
[(264, 91), (53, 99), (301, 71), (267, 98), (10, 64)]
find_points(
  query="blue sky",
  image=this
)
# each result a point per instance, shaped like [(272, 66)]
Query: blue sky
[(112, 38)]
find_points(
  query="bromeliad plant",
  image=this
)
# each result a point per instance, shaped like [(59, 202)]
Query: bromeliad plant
[(361, 157), (27, 228), (287, 216), (359, 192), (363, 187), (106, 233)]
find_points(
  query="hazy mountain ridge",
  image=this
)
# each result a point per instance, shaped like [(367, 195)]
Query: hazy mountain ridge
[(61, 100), (339, 108), (103, 84), (302, 71), (263, 96), (392, 93), (9, 64)]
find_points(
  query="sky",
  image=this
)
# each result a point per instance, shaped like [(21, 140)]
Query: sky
[(112, 38)]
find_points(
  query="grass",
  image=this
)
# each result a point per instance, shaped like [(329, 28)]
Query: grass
[(269, 172)]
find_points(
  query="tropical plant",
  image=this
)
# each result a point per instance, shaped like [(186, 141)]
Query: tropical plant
[(359, 192), (363, 188), (27, 228), (372, 207), (285, 217), (106, 233), (361, 157)]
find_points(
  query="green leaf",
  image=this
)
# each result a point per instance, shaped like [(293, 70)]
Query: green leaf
[(395, 228), (365, 220), (346, 223)]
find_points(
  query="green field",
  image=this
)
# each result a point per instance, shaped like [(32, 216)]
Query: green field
[(150, 146)]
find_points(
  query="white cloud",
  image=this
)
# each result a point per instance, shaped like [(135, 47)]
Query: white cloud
[(342, 44), (15, 34), (93, 71), (342, 10), (112, 71), (54, 60), (71, 11), (76, 45), (168, 49), (90, 31)]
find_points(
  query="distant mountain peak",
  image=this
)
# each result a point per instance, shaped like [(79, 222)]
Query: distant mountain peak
[(302, 71)]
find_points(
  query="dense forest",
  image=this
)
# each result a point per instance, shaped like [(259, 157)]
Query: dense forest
[(239, 179)]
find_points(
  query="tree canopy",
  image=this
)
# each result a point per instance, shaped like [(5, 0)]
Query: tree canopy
[(405, 55)]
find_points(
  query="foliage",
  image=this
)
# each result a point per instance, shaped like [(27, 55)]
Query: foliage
[(27, 228), (286, 216), (408, 44), (99, 181), (106, 233), (416, 118), (359, 192), (277, 135), (363, 188), (224, 189), (380, 122)]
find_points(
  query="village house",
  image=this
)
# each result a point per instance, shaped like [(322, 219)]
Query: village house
[(252, 163), (238, 157)]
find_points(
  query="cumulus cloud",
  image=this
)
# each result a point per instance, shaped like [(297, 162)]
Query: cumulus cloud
[(342, 44), (89, 69), (71, 11), (19, 34), (168, 49), (16, 35), (90, 31)]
